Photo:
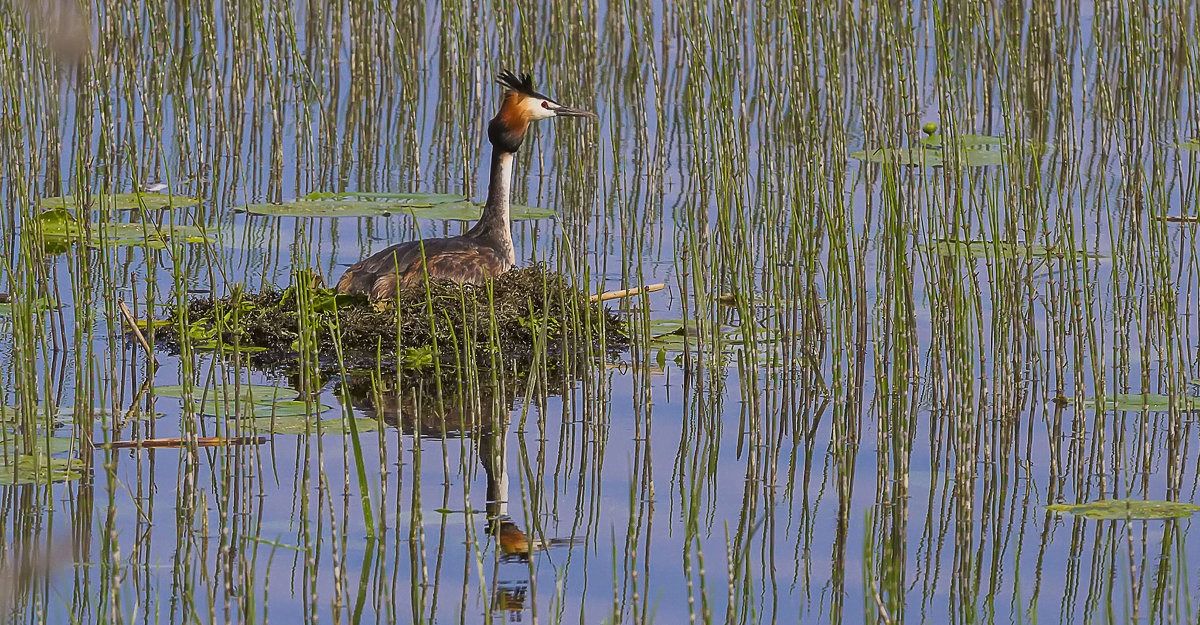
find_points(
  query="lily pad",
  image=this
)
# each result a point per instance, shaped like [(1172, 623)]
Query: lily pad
[(261, 409), (285, 425), (42, 443), (120, 201), (469, 211), (12, 414), (966, 141), (676, 335), (1003, 249), (39, 469), (342, 426), (976, 151), (920, 157), (41, 304), (428, 199), (61, 229), (305, 425), (248, 393), (1113, 509), (1140, 401), (324, 208)]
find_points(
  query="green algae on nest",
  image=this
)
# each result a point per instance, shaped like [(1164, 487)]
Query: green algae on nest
[(440, 320)]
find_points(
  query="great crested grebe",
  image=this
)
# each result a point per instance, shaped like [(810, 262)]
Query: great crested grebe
[(486, 250)]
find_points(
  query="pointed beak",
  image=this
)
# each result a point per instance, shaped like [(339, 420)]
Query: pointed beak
[(566, 111)]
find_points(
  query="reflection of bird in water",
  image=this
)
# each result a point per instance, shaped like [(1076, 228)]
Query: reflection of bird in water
[(511, 598), (483, 414), (512, 541), (486, 250), (517, 545)]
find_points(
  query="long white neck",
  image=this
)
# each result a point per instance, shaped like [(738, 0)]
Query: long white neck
[(494, 227)]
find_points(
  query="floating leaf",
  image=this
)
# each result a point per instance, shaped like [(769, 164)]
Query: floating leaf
[(304, 425), (12, 414), (62, 229), (1112, 509), (966, 141), (39, 469), (40, 305), (1140, 401), (11, 440), (1191, 145), (469, 211), (120, 201), (761, 336), (325, 208), (1003, 249), (248, 393), (263, 409), (342, 426), (412, 198), (676, 335), (900, 156), (975, 151), (285, 425)]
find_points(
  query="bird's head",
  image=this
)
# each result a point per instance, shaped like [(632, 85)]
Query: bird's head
[(521, 106)]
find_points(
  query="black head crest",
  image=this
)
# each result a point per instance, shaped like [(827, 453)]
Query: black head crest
[(521, 83)]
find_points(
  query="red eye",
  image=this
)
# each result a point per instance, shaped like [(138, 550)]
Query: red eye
[(545, 105)]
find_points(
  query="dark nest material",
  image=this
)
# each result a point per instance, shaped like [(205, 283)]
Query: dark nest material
[(521, 313)]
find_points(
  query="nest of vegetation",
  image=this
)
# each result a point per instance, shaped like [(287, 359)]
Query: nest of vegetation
[(520, 314)]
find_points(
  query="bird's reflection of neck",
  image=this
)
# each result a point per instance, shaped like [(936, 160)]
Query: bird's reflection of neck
[(492, 448)]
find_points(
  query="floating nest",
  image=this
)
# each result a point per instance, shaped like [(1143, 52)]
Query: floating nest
[(440, 325)]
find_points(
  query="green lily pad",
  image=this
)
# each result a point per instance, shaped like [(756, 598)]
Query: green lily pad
[(342, 426), (306, 425), (676, 335), (412, 198), (120, 201), (740, 336), (62, 229), (469, 211), (966, 141), (247, 393), (12, 414), (1113, 509), (285, 425), (39, 469), (1140, 401), (920, 157), (40, 305), (1003, 249), (43, 444), (290, 409), (257, 409), (325, 208), (976, 151)]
